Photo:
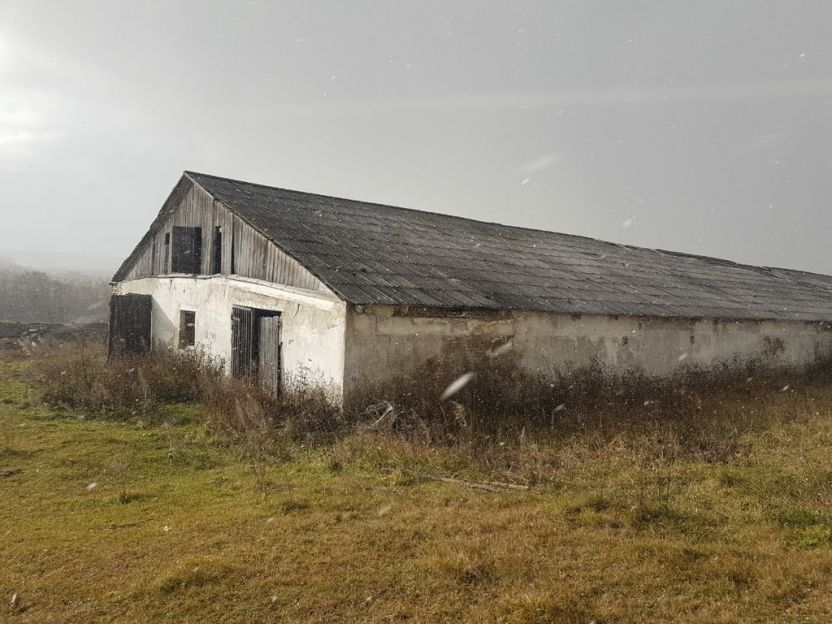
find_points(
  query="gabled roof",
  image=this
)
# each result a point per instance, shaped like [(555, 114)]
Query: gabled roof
[(375, 254)]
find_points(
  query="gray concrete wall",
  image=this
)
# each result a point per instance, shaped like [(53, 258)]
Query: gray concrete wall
[(312, 332), (382, 342)]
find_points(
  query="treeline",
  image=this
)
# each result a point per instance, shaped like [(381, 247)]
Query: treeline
[(29, 296)]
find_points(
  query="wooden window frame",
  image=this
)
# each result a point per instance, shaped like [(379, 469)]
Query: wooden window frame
[(216, 251), (187, 329)]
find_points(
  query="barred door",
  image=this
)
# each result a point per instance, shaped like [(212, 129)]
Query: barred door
[(130, 324)]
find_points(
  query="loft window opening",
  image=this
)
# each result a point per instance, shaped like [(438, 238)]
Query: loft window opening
[(187, 329), (154, 256), (216, 251), (186, 255), (233, 255)]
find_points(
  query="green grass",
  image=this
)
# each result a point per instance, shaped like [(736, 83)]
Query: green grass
[(184, 527)]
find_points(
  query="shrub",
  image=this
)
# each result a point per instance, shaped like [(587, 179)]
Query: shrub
[(242, 409), (701, 413), (77, 375), (504, 419)]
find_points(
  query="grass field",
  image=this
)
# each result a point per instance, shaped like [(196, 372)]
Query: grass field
[(138, 522)]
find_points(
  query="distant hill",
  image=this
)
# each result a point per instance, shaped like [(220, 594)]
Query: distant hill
[(69, 296), (56, 263)]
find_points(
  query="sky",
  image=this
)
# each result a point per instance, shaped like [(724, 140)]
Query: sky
[(693, 126)]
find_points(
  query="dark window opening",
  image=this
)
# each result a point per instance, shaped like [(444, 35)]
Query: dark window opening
[(233, 257), (187, 329), (154, 256), (216, 252), (167, 253), (187, 250)]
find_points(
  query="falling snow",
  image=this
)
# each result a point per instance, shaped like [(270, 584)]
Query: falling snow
[(458, 384)]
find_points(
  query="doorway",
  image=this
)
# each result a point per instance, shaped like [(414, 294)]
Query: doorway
[(130, 325), (256, 346)]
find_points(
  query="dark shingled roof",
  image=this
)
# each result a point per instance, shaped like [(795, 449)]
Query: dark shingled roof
[(375, 254)]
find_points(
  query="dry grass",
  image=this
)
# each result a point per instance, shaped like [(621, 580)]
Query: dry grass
[(709, 503), (76, 375), (508, 421)]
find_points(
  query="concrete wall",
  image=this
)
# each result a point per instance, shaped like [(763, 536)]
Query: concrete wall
[(313, 322), (347, 348), (383, 341)]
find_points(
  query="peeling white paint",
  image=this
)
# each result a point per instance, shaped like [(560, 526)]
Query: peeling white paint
[(312, 332)]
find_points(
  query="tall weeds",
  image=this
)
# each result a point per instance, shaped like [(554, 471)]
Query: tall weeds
[(699, 413), (503, 418), (77, 375)]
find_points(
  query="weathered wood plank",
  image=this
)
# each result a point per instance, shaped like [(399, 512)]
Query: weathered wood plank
[(245, 251)]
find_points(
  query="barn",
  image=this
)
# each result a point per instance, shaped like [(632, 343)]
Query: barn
[(298, 288)]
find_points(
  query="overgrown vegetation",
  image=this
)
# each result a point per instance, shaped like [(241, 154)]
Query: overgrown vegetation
[(526, 427), (702, 500), (503, 420), (76, 375)]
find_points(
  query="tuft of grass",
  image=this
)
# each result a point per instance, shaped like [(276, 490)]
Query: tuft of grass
[(798, 518), (547, 609), (125, 497), (465, 566), (817, 537), (192, 574), (293, 505), (729, 478), (644, 516), (598, 503)]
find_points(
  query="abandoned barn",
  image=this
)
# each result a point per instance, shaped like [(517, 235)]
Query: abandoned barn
[(298, 288)]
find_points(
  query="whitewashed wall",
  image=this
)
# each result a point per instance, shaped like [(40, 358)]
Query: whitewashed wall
[(313, 321), (382, 343)]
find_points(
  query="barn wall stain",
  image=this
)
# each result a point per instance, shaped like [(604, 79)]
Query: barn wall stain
[(382, 344)]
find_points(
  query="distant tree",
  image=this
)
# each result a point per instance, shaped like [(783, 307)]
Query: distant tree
[(34, 296)]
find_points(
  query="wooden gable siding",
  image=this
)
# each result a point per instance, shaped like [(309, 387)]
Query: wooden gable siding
[(254, 255)]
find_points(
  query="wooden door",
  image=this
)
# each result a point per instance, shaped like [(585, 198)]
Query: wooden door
[(130, 324), (268, 351), (242, 341)]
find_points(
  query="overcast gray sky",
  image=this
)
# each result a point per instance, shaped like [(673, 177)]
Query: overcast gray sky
[(696, 126)]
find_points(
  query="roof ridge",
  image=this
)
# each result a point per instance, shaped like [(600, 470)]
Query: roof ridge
[(691, 255), (426, 263), (416, 210)]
